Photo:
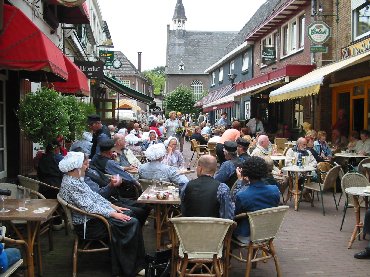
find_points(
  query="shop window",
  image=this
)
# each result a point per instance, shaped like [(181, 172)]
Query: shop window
[(361, 21), (292, 39), (126, 83), (197, 87), (297, 114)]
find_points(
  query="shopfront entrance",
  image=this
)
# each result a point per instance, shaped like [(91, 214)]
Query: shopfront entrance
[(354, 100)]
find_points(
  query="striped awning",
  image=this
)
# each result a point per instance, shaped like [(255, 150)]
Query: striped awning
[(213, 96), (310, 83)]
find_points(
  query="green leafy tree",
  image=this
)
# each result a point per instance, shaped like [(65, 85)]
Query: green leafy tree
[(43, 116), (156, 78), (181, 100)]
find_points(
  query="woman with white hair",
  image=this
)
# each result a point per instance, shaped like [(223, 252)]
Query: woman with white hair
[(152, 139), (127, 253), (156, 170), (172, 124), (173, 156)]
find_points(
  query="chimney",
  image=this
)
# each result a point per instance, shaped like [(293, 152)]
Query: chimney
[(139, 61)]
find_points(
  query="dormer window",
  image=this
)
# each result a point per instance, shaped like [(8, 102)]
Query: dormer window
[(181, 66), (221, 75)]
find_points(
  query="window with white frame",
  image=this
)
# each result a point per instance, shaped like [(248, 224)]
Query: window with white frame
[(361, 20), (197, 87), (245, 65), (126, 83), (292, 35), (220, 74), (268, 41), (213, 78), (231, 67)]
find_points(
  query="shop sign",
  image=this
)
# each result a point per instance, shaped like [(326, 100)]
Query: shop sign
[(356, 49), (247, 110), (268, 54), (318, 49), (318, 32), (92, 70), (107, 57)]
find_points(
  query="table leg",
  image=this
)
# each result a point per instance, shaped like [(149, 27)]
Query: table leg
[(32, 233), (358, 224), (296, 192), (158, 226)]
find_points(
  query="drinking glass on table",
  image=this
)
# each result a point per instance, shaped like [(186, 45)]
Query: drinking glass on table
[(293, 161), (3, 210)]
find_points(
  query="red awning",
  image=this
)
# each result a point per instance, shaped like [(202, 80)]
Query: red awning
[(23, 47), (67, 3), (77, 82), (73, 15), (218, 107)]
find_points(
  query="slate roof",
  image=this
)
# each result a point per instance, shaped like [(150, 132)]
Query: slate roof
[(196, 50), (258, 18), (179, 11), (127, 67)]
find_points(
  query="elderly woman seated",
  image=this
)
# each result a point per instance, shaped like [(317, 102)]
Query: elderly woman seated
[(134, 144), (173, 156), (127, 245), (152, 139), (156, 170)]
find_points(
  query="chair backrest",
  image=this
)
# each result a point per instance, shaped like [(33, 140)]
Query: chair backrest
[(28, 182), (66, 210), (201, 237), (353, 179), (323, 168), (361, 169), (265, 223), (280, 144), (331, 177), (211, 146), (15, 190)]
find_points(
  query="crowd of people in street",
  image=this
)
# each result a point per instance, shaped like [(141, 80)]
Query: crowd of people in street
[(240, 177)]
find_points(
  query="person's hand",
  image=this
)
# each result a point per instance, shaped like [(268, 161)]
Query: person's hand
[(120, 216), (131, 169), (119, 209), (238, 171)]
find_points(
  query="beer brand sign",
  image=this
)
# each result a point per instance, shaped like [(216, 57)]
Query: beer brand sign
[(318, 32), (355, 49)]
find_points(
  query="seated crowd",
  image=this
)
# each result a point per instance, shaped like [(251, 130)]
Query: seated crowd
[(246, 180)]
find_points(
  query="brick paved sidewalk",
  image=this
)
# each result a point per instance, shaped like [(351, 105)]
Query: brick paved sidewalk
[(308, 244)]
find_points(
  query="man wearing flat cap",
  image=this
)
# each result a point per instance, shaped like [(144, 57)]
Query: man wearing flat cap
[(100, 133), (242, 147), (104, 162), (227, 174)]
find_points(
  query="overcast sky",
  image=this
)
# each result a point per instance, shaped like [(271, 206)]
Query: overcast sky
[(140, 25)]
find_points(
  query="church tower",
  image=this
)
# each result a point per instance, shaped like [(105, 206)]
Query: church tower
[(179, 17)]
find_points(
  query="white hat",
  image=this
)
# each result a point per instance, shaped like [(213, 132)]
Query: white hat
[(155, 151), (87, 136), (132, 139), (167, 141), (71, 161)]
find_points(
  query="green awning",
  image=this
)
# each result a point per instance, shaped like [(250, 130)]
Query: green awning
[(125, 90)]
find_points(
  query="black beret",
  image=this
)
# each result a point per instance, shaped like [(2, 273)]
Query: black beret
[(106, 145), (242, 142), (93, 118), (230, 146)]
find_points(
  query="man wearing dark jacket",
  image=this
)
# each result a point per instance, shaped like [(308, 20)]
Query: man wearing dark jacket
[(205, 196)]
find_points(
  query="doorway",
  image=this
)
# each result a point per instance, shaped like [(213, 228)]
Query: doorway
[(358, 114)]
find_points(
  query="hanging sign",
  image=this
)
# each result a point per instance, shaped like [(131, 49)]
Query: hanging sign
[(92, 70), (268, 54), (318, 32)]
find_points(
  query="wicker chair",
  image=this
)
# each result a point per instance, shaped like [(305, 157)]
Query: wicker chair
[(351, 179), (200, 243), (264, 225), (35, 185), (360, 168), (85, 245), (211, 147), (197, 149), (321, 186), (16, 265), (280, 144)]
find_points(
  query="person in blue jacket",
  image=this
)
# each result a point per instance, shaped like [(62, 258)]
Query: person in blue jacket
[(257, 196)]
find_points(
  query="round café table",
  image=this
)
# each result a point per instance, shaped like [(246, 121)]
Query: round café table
[(349, 156), (294, 172), (357, 192)]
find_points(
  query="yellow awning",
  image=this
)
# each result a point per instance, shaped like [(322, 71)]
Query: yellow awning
[(310, 83)]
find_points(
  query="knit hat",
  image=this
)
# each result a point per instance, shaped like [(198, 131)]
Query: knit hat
[(155, 152), (71, 161)]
